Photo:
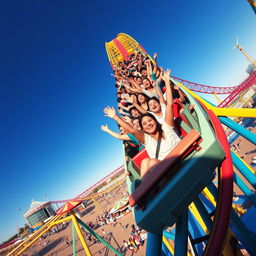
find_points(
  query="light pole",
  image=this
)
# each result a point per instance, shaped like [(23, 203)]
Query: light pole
[(248, 57)]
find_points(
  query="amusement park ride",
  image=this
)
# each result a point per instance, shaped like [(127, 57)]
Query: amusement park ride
[(183, 192), (161, 201), (253, 5)]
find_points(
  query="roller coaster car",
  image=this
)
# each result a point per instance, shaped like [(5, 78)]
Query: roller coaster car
[(161, 197)]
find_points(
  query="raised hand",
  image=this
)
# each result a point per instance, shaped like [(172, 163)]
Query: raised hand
[(147, 61), (104, 128), (166, 75), (127, 119), (155, 56), (128, 98), (176, 87), (160, 70), (131, 99), (134, 99), (120, 111), (110, 112)]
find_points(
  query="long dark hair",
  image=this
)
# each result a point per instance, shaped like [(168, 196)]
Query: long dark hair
[(152, 98), (131, 109), (158, 125), (130, 94), (143, 94), (145, 78)]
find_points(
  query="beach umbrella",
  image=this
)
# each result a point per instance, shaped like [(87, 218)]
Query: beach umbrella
[(70, 205), (119, 204)]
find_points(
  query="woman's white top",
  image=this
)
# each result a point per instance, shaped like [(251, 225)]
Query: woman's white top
[(150, 94), (171, 139)]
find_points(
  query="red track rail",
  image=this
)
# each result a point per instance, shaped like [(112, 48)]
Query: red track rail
[(206, 88), (233, 91), (243, 86), (225, 193), (218, 90)]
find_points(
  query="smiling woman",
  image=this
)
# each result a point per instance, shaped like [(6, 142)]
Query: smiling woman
[(153, 132)]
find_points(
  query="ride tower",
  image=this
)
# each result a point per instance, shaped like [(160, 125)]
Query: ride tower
[(121, 47), (247, 56)]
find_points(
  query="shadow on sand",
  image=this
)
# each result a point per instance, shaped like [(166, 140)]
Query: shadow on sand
[(49, 247), (250, 152), (87, 210), (105, 251)]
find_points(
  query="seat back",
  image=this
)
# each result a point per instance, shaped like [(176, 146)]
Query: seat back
[(139, 157), (182, 149)]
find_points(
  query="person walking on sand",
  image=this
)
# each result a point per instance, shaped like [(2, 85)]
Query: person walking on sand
[(67, 240)]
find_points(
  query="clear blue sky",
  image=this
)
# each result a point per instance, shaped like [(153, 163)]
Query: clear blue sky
[(55, 81)]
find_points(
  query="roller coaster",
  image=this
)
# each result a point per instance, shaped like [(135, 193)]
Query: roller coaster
[(184, 204), (182, 185)]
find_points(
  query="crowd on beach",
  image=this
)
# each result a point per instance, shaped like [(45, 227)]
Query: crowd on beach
[(253, 163), (43, 241), (236, 148), (136, 240), (145, 94), (104, 219), (133, 243)]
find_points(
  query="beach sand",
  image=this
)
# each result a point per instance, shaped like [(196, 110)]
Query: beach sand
[(115, 233)]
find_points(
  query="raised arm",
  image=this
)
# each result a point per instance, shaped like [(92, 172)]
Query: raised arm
[(128, 120), (136, 53), (118, 77), (136, 105), (123, 113), (124, 107), (131, 89), (135, 85), (155, 63), (182, 97), (159, 93), (114, 134), (139, 62), (111, 113), (160, 78), (149, 70), (169, 99)]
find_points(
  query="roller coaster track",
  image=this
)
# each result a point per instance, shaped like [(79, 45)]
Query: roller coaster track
[(233, 91)]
